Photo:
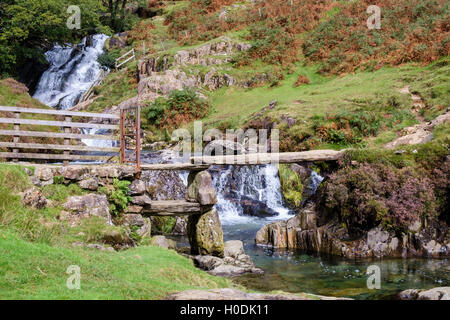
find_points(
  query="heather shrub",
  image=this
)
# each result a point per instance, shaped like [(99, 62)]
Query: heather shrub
[(274, 26), (201, 20), (371, 194), (301, 80), (348, 127), (410, 31)]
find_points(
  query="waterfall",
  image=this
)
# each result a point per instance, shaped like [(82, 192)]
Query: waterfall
[(71, 73), (98, 143), (237, 185)]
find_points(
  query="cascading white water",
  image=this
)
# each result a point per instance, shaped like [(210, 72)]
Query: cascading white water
[(72, 72), (98, 143), (259, 183)]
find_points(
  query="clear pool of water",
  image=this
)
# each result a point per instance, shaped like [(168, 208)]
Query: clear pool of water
[(304, 272)]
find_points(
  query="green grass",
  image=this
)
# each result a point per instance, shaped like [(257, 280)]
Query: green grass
[(38, 271), (36, 250)]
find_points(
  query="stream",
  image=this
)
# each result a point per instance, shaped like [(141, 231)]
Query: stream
[(71, 73)]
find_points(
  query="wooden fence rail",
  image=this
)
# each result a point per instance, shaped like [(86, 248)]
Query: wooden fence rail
[(67, 125)]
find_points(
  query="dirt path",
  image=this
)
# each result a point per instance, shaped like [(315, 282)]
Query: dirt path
[(422, 132)]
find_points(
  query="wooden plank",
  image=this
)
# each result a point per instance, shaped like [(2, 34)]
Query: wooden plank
[(173, 207), (267, 158), (55, 147), (60, 123), (66, 140), (16, 138), (57, 135), (43, 156), (61, 112), (175, 167)]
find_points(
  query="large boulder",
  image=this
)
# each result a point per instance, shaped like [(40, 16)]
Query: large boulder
[(201, 188), (205, 234), (89, 205), (34, 198)]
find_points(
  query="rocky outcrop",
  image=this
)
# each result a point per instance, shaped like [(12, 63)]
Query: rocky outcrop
[(234, 294), (306, 232), (160, 75), (442, 293), (215, 53), (88, 205), (205, 234), (420, 133)]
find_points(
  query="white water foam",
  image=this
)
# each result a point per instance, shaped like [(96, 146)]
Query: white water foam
[(72, 72)]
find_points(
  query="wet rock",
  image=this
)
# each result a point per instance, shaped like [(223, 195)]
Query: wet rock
[(234, 263), (89, 184), (89, 205), (34, 198), (205, 234), (163, 242), (255, 208), (201, 188), (442, 293), (302, 171), (137, 187)]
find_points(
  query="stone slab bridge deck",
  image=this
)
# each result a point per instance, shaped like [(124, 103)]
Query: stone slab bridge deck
[(201, 194)]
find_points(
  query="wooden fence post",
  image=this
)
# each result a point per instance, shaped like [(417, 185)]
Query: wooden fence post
[(138, 138), (66, 140), (16, 138), (122, 136)]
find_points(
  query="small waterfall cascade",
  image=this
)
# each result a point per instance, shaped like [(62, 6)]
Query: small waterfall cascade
[(256, 183), (71, 73)]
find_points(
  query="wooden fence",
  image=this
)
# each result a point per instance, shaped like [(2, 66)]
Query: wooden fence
[(66, 133), (130, 55)]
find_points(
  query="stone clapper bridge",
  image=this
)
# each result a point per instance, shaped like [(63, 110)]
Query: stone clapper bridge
[(201, 195)]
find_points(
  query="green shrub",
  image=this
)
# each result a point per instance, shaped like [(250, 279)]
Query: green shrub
[(163, 225), (182, 106), (291, 185), (60, 192), (107, 60), (118, 196)]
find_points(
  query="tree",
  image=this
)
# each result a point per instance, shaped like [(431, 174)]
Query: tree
[(28, 27), (116, 11)]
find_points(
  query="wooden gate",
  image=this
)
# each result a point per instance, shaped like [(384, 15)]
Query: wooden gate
[(12, 127)]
